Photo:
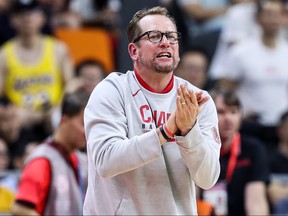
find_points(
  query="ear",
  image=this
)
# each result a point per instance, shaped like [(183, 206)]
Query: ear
[(133, 51)]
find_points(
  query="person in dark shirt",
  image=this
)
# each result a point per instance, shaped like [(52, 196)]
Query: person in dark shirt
[(241, 187)]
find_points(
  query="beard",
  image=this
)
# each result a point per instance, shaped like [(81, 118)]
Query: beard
[(164, 69)]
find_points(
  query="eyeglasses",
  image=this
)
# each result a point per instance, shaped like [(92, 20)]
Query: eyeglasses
[(157, 36)]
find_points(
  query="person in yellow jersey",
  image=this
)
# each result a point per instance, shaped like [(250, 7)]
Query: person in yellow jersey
[(34, 68)]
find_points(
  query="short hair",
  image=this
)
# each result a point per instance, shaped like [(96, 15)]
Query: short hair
[(134, 29), (197, 49), (19, 6), (86, 62), (230, 97), (74, 103)]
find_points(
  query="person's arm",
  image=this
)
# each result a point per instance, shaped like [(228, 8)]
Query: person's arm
[(33, 188), (198, 12), (277, 191), (64, 61), (255, 199), (255, 192), (19, 209), (200, 147), (227, 83)]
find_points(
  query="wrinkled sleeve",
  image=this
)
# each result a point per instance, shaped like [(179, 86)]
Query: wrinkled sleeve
[(106, 130), (200, 148)]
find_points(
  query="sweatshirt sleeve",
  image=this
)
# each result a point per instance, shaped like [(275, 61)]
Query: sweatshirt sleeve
[(106, 132), (200, 148)]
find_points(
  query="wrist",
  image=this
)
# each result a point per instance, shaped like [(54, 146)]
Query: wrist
[(167, 131), (164, 133)]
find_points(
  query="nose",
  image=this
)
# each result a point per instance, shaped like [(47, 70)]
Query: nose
[(164, 42)]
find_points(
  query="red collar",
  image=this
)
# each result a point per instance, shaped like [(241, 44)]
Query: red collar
[(146, 86)]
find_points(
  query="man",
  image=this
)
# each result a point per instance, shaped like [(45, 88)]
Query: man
[(33, 67), (148, 142), (89, 73), (257, 70), (241, 188), (53, 180), (193, 67)]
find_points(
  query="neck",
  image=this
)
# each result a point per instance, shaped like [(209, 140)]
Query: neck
[(157, 81), (30, 41), (60, 139), (226, 143), (269, 40)]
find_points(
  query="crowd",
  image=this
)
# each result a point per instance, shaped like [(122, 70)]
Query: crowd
[(234, 50)]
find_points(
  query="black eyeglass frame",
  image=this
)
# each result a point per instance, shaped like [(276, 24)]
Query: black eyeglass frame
[(162, 34)]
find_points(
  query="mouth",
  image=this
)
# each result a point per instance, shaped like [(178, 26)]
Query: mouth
[(164, 55)]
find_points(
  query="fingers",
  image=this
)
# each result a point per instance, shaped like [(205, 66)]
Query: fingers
[(200, 99), (190, 97), (203, 100), (185, 96), (193, 97)]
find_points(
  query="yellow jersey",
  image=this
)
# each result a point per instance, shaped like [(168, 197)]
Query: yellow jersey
[(7, 198), (33, 85)]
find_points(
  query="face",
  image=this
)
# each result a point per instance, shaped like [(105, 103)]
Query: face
[(271, 18), (161, 57), (229, 118), (192, 67), (74, 128), (91, 75), (28, 22), (4, 158)]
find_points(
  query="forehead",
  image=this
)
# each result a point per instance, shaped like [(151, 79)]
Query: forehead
[(193, 56), (156, 22), (272, 6)]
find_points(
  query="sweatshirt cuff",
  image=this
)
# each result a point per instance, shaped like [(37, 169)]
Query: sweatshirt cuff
[(149, 146), (192, 139)]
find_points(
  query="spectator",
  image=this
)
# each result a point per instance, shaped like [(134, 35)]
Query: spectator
[(204, 16), (33, 67), (203, 21), (257, 69), (193, 67), (278, 188), (59, 14), (11, 131), (103, 13), (240, 23), (89, 73), (241, 187), (57, 189)]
